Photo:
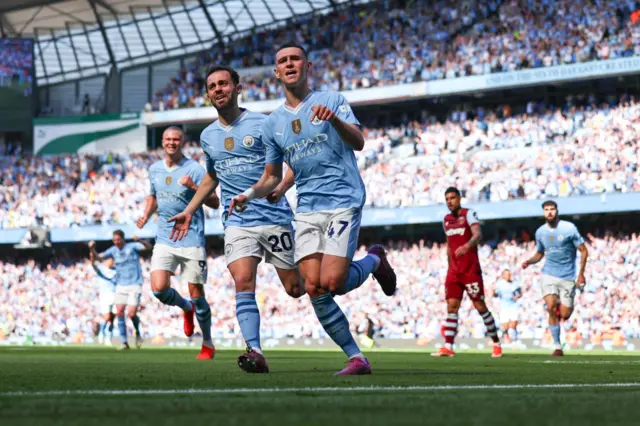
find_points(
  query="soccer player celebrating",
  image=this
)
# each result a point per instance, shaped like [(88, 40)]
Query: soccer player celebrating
[(106, 282), (560, 241), (509, 292), (316, 133), (128, 281), (464, 274), (235, 157), (174, 182)]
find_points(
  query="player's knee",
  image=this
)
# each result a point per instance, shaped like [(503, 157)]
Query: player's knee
[(244, 282), (313, 288), (333, 284)]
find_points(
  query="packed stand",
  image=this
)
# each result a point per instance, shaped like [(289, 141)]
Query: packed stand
[(368, 45), (360, 47), (60, 301), (494, 156)]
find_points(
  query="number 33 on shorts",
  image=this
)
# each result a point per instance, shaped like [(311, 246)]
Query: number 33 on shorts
[(472, 288)]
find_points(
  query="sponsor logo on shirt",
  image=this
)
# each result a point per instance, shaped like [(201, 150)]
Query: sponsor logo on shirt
[(455, 231)]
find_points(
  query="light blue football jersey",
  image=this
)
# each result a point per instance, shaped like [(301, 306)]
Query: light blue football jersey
[(236, 153), (507, 291), (105, 279), (325, 168), (173, 198), (128, 269), (559, 246)]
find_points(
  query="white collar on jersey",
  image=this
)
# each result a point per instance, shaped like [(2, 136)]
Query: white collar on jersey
[(236, 121), (300, 105), (172, 168)]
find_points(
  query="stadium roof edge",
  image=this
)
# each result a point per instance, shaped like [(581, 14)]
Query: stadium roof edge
[(78, 39)]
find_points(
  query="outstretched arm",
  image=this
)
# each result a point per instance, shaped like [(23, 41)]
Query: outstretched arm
[(150, 207), (211, 201), (270, 179), (286, 184), (182, 221), (204, 193), (533, 260)]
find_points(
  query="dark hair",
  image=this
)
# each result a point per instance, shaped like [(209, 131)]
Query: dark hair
[(119, 233), (452, 189), (550, 203), (235, 77), (296, 45)]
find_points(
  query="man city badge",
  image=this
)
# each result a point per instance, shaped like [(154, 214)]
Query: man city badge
[(248, 141), (316, 121), (228, 144), (167, 180), (296, 126)]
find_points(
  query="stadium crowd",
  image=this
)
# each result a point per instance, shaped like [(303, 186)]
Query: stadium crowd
[(391, 42), (493, 157), (60, 301)]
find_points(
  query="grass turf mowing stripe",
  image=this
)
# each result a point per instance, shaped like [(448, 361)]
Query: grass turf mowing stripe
[(119, 392)]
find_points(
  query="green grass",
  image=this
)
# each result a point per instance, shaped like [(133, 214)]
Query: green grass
[(44, 370)]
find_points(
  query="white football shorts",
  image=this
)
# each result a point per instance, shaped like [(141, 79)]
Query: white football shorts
[(192, 260), (129, 295), (273, 242), (333, 232), (565, 289), (107, 302)]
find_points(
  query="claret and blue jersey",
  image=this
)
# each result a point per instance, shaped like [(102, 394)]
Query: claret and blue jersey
[(325, 168)]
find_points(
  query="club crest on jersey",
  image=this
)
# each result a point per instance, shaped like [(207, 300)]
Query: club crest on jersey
[(228, 249), (228, 144), (167, 180), (560, 238), (316, 121), (296, 126), (248, 141), (461, 220)]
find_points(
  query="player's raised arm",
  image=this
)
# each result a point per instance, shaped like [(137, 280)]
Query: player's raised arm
[(270, 179), (344, 121), (143, 245)]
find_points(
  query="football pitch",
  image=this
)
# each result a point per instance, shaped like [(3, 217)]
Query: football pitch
[(91, 386)]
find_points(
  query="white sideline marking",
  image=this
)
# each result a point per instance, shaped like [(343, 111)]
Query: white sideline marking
[(621, 362), (313, 389)]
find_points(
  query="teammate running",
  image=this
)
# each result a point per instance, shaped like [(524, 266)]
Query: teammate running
[(316, 133), (509, 293), (560, 241), (128, 281), (106, 282), (464, 274), (174, 181), (235, 156)]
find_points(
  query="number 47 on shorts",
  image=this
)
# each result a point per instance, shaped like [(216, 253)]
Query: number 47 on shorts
[(338, 229)]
